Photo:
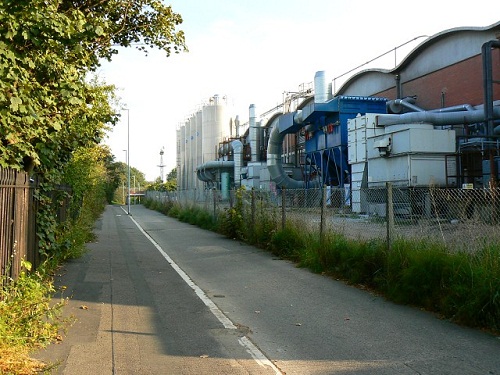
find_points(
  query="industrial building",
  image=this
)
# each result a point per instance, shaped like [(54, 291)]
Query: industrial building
[(433, 120)]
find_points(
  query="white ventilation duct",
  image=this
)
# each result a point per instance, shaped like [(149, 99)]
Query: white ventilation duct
[(322, 88), (205, 172), (238, 161), (436, 118), (275, 164), (254, 134), (237, 125)]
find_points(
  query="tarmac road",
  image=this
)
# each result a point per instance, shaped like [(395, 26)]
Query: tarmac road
[(156, 296)]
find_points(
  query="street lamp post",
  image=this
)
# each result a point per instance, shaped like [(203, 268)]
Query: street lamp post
[(126, 161), (128, 157)]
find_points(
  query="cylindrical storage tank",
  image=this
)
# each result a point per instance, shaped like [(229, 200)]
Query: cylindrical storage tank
[(193, 149), (321, 87), (189, 162), (254, 134), (199, 137), (224, 185), (214, 124), (182, 171), (178, 154)]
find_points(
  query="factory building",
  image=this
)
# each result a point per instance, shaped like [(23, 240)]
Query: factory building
[(433, 120)]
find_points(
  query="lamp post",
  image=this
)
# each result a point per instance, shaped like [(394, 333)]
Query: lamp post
[(128, 157), (126, 161)]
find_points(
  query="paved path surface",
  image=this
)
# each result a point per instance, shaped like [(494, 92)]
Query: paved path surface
[(156, 296)]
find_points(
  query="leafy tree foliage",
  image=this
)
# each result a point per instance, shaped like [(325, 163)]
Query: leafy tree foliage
[(47, 48), (169, 185), (172, 175), (52, 113)]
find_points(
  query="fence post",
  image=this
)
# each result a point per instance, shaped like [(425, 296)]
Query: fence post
[(283, 208), (322, 224), (389, 215)]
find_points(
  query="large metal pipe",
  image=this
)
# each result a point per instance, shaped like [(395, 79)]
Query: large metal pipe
[(322, 89), (238, 161), (254, 134), (396, 105), (237, 125), (444, 118), (205, 171), (275, 164), (488, 82), (455, 108)]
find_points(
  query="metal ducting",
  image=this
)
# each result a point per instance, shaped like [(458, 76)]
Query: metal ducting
[(455, 108), (274, 162), (322, 89), (254, 134), (238, 161), (237, 125), (489, 112), (397, 105), (436, 118), (205, 172)]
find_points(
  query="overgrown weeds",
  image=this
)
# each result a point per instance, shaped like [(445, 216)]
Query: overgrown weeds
[(29, 319)]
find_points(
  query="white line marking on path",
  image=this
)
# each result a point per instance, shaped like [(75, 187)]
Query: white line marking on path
[(244, 341)]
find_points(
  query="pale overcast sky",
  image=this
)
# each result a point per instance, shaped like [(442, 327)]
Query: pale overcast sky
[(253, 51)]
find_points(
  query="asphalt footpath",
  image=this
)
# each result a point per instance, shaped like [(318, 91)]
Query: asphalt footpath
[(157, 296), (132, 313)]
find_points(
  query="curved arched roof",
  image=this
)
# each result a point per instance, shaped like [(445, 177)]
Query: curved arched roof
[(454, 52)]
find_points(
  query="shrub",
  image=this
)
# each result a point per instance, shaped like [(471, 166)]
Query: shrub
[(287, 243), (28, 320)]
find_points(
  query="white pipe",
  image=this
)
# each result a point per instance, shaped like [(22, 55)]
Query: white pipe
[(204, 171), (444, 118), (238, 161), (254, 134), (275, 164)]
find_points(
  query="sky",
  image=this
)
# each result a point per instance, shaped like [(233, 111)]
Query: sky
[(251, 52)]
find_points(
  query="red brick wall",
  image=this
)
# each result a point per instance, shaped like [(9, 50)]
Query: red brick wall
[(461, 83)]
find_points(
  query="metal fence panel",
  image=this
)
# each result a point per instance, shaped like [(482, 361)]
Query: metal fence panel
[(462, 220), (16, 219), (18, 224)]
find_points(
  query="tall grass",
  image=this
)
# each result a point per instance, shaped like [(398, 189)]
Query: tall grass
[(29, 319), (463, 287)]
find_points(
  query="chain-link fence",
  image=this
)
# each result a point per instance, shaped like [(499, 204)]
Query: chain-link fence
[(461, 219)]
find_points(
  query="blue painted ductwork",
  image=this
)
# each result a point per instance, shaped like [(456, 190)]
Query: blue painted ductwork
[(326, 134), (325, 127)]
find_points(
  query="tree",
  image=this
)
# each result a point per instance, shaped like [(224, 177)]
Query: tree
[(52, 115), (48, 108), (172, 175)]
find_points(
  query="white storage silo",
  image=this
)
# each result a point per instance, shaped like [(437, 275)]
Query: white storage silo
[(199, 149), (188, 163), (178, 153), (181, 180), (213, 124), (192, 152)]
